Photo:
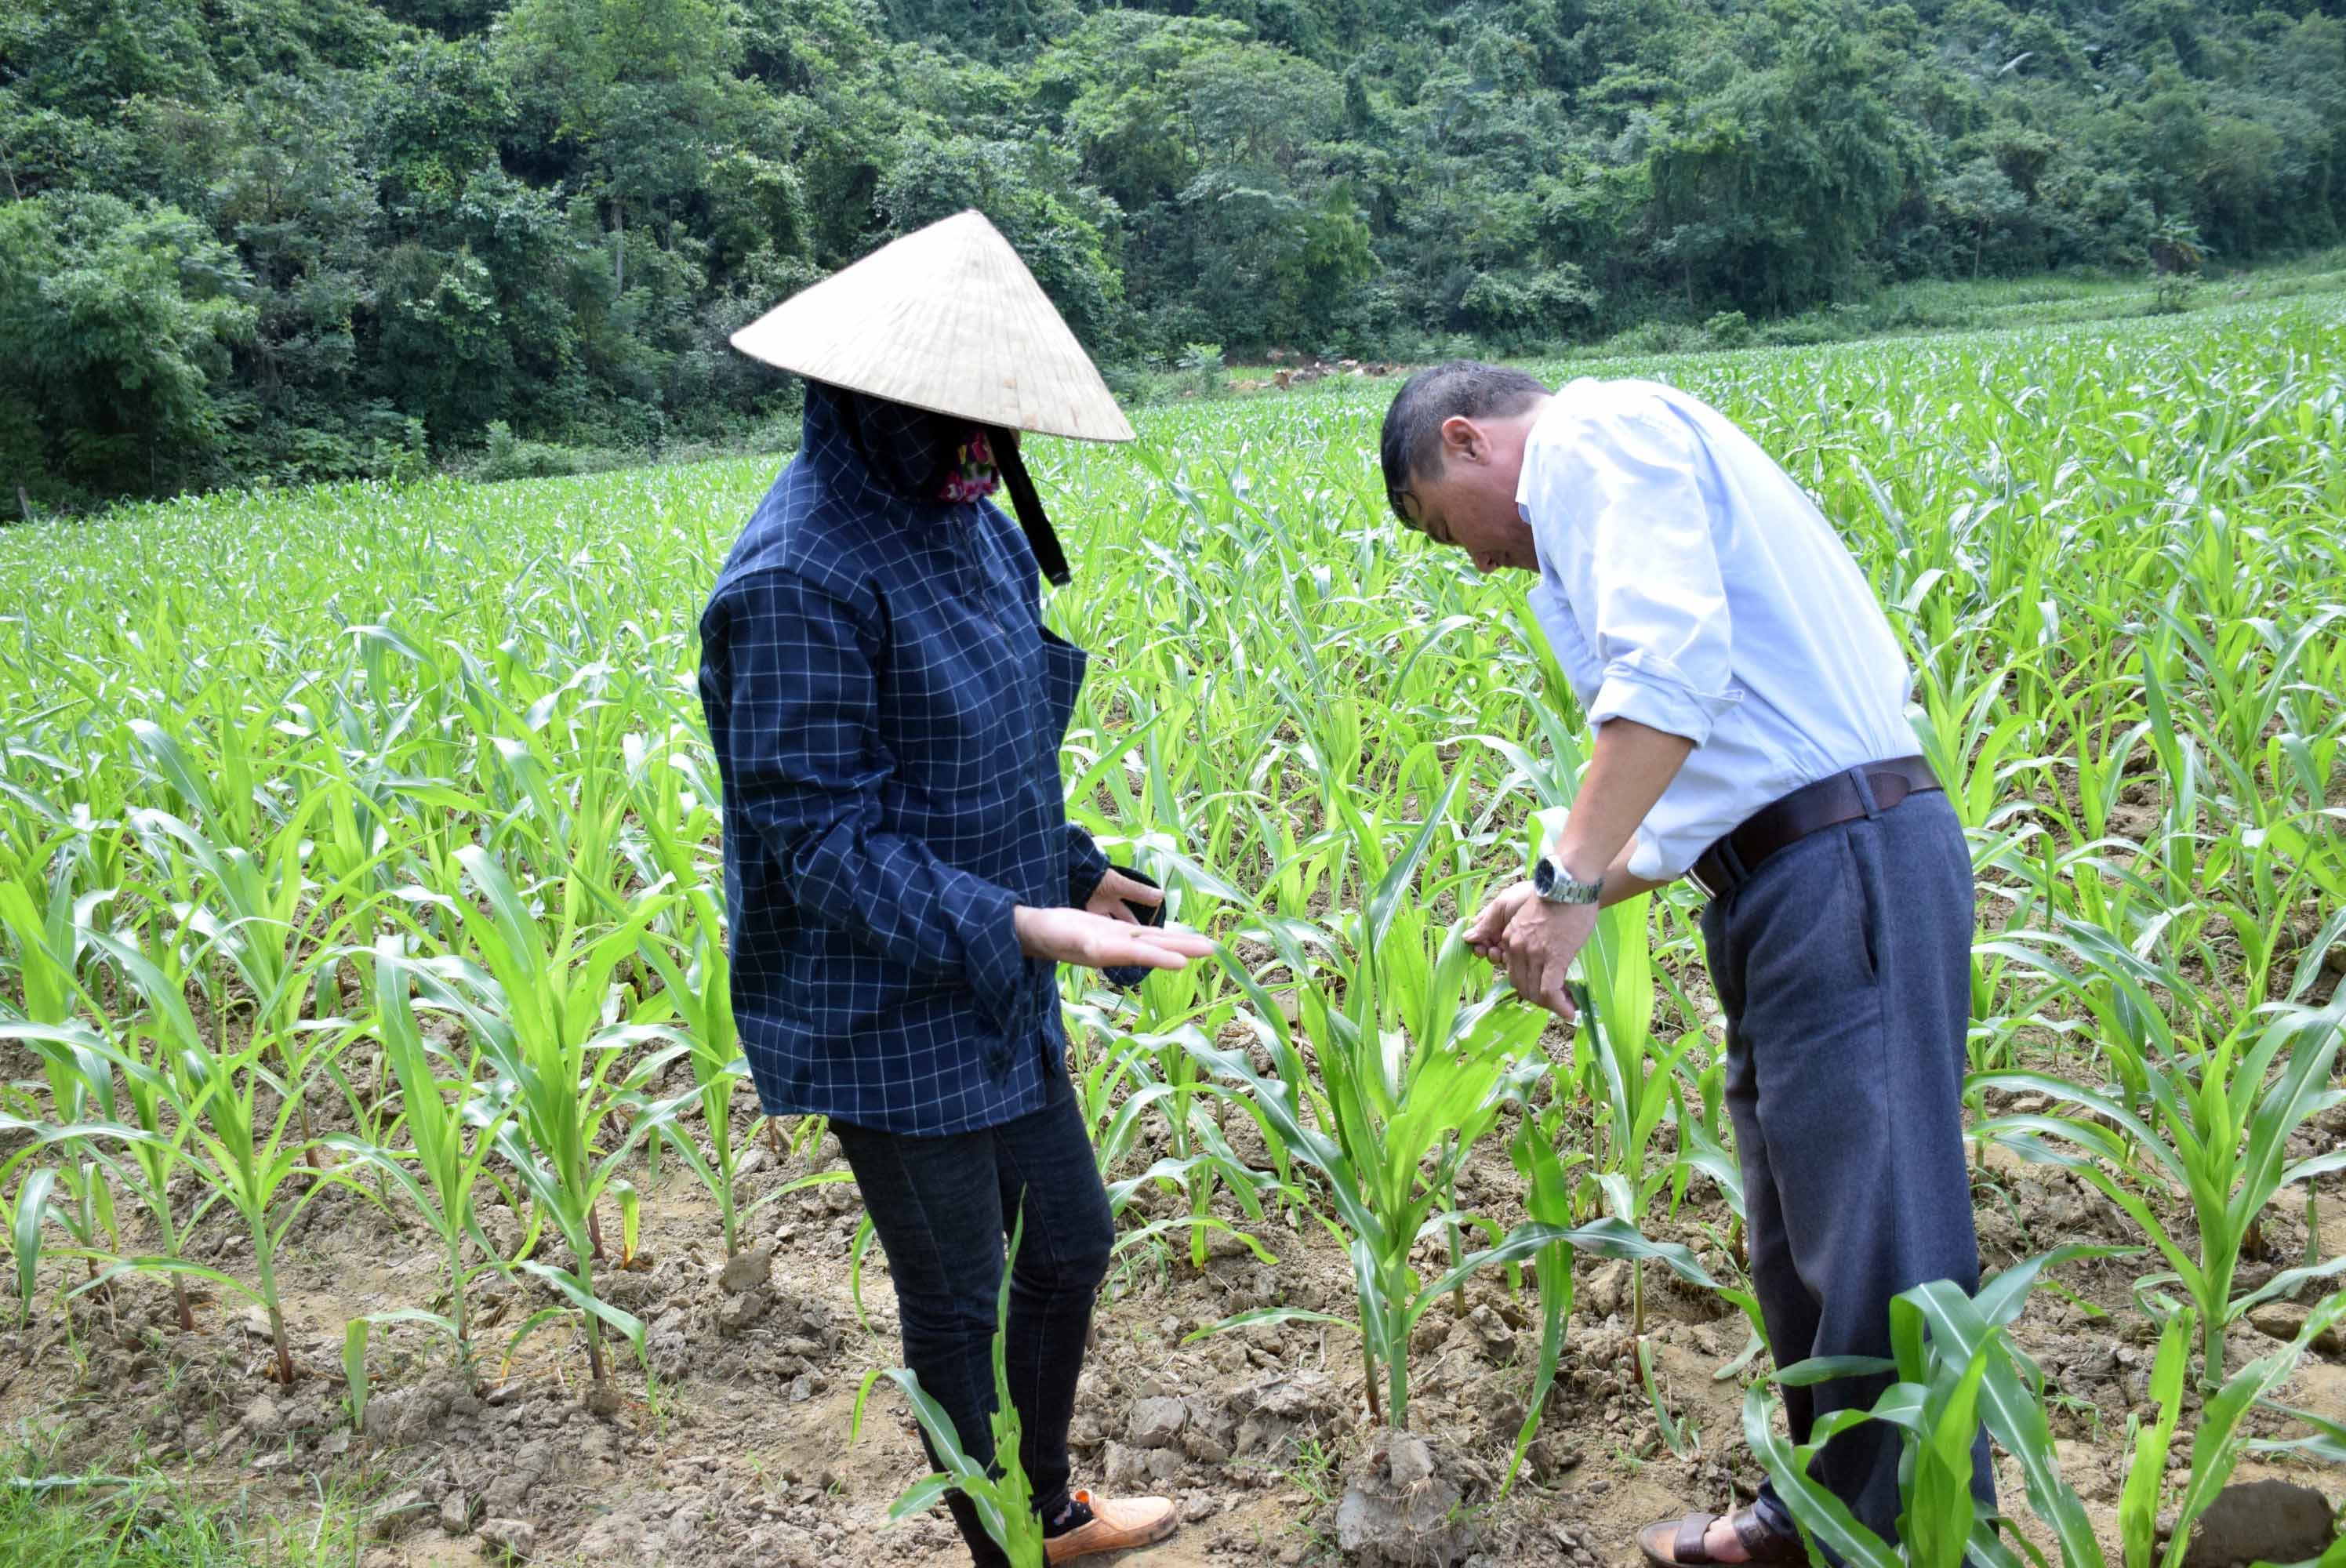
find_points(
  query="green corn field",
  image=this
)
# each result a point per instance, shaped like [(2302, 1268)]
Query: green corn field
[(359, 859)]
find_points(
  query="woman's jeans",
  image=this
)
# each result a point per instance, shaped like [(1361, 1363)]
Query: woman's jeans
[(944, 1208)]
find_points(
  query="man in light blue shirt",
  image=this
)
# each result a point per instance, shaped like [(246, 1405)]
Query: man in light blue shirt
[(1749, 699)]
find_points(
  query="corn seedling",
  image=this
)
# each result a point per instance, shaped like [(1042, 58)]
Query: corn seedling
[(2219, 1134), (999, 1492), (1953, 1370)]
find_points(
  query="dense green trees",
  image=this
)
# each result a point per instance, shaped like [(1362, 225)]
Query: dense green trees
[(309, 238)]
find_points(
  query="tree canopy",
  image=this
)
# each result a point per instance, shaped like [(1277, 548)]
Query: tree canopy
[(321, 239)]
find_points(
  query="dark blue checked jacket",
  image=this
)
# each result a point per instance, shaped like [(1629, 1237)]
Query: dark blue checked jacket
[(887, 708)]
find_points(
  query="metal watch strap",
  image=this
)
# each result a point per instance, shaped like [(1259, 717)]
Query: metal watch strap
[(1556, 885)]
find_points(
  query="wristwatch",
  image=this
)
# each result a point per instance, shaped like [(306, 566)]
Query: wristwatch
[(1556, 885)]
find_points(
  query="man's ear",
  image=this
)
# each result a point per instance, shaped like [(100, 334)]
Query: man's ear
[(1462, 438)]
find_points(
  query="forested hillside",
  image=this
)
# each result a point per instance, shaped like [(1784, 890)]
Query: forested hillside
[(313, 238)]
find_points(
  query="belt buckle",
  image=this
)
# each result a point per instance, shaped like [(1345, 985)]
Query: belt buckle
[(1694, 875)]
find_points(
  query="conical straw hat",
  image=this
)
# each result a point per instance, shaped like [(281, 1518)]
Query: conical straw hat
[(946, 318)]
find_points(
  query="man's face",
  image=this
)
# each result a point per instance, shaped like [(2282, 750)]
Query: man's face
[(1470, 502)]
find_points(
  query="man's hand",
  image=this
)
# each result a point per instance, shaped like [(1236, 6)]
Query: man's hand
[(1539, 944), (1115, 888), (1100, 941), (1490, 923)]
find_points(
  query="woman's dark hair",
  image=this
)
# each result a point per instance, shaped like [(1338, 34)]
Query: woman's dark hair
[(1469, 389)]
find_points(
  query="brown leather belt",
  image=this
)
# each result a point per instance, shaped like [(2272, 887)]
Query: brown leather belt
[(1737, 856)]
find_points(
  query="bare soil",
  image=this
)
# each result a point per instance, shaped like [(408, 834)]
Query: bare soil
[(735, 1452)]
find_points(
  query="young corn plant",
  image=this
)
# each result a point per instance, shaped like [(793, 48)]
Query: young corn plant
[(1002, 1495), (2216, 1133), (450, 1135), (77, 1192), (1953, 1370), (1414, 1076), (232, 1130), (699, 994), (1402, 1109), (564, 1075), (1637, 1073), (90, 1146), (1172, 1012), (2217, 1443), (275, 928)]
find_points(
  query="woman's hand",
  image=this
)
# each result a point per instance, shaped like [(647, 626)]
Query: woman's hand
[(1102, 941), (1115, 889)]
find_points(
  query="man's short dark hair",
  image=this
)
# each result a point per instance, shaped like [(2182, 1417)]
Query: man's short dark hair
[(1467, 389)]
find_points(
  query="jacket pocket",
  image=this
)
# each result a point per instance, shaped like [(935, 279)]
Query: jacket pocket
[(1063, 680)]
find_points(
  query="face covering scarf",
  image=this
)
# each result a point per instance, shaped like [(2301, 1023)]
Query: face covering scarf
[(939, 458)]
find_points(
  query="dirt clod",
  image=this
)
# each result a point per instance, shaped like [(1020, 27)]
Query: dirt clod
[(747, 1271), (2285, 1320), (1139, 1469), (740, 1311), (262, 1421), (1158, 1422), (396, 1515), (1400, 1510), (2262, 1520), (508, 1540), (1283, 1407)]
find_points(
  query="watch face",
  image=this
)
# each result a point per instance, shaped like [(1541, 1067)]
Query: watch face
[(1544, 877)]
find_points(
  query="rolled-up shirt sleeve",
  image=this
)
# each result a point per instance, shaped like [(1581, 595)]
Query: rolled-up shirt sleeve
[(804, 767), (1647, 566)]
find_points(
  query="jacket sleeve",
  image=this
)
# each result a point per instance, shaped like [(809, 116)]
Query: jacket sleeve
[(803, 767), (1087, 866)]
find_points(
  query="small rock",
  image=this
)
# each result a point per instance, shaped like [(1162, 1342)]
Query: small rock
[(455, 1514), (747, 1271), (507, 1540)]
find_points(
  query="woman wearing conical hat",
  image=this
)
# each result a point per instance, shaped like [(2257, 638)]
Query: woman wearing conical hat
[(901, 879)]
